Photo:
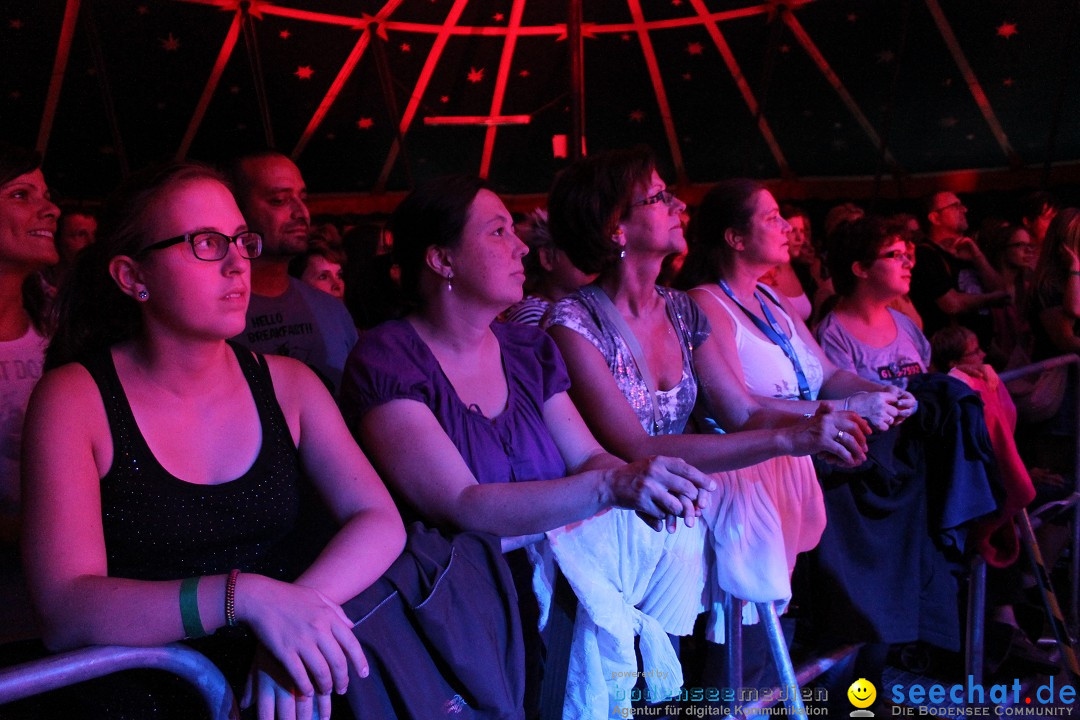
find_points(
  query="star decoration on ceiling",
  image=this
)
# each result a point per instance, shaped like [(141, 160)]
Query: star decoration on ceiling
[(1007, 30), (637, 116), (886, 56), (676, 3), (475, 75), (142, 10), (444, 99), (304, 72), (170, 44), (234, 90), (687, 76), (625, 37), (784, 49), (365, 123), (524, 73), (406, 47), (1007, 82), (852, 17), (284, 34), (15, 24), (498, 17), (949, 122), (694, 48)]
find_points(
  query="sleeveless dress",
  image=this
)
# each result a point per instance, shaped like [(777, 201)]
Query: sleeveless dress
[(789, 484), (631, 580), (159, 527)]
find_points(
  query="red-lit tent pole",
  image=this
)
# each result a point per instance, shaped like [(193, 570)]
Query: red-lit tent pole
[(252, 46), (390, 104), (577, 78), (56, 81), (94, 40), (890, 104)]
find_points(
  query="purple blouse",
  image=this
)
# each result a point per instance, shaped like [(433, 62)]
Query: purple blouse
[(392, 362)]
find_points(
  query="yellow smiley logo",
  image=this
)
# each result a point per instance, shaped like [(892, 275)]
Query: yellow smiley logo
[(862, 693)]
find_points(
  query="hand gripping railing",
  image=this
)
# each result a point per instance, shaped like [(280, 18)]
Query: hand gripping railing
[(57, 671)]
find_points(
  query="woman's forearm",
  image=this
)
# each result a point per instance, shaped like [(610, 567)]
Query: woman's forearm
[(101, 610), (356, 556)]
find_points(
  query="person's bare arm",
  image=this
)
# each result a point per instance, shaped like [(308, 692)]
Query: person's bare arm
[(616, 426)]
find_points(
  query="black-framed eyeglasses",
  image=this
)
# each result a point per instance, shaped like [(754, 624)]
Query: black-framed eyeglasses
[(664, 196), (210, 245), (958, 205), (901, 255)]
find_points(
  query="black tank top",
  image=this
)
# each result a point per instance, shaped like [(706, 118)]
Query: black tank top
[(158, 527)]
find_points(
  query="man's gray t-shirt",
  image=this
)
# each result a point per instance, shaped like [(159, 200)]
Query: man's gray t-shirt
[(303, 323)]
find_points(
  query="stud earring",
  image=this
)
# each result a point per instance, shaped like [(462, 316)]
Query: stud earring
[(143, 295)]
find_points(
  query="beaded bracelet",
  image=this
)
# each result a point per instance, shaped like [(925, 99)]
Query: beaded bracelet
[(189, 608), (230, 598)]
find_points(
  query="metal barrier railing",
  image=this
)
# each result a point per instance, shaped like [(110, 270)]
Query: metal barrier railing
[(57, 671), (1074, 559)]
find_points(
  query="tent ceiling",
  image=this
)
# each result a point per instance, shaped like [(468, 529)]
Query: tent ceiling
[(371, 96)]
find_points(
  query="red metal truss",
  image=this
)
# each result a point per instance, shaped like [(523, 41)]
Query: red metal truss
[(713, 28), (973, 83), (668, 121), (56, 80), (834, 80), (211, 85)]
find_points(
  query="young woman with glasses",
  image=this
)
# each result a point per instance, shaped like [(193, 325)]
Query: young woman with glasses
[(870, 263), (173, 479)]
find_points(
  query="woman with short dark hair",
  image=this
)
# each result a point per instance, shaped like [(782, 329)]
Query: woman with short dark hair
[(870, 263)]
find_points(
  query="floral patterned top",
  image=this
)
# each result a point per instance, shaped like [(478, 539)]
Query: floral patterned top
[(581, 313)]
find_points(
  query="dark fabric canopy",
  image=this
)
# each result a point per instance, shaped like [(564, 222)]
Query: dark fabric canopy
[(355, 90)]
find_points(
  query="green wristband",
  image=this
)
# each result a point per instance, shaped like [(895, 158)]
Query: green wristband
[(189, 608)]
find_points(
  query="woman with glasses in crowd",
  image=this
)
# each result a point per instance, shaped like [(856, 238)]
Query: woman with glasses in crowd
[(642, 356), (864, 334), (175, 482)]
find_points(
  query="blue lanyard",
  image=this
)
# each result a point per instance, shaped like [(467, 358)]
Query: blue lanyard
[(772, 331)]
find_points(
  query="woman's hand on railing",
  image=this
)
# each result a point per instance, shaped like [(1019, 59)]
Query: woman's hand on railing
[(835, 436), (661, 490), (878, 408), (308, 636)]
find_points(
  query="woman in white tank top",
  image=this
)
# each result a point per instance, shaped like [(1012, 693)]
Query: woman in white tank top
[(738, 235)]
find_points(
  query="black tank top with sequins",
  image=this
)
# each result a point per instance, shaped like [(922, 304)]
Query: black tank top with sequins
[(158, 527)]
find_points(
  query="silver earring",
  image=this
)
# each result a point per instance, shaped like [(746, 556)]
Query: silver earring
[(450, 282), (622, 253), (143, 295)]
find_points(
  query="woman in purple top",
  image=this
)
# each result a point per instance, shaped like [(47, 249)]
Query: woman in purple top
[(462, 414)]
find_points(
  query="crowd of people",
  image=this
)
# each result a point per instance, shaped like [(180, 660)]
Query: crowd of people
[(510, 465)]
